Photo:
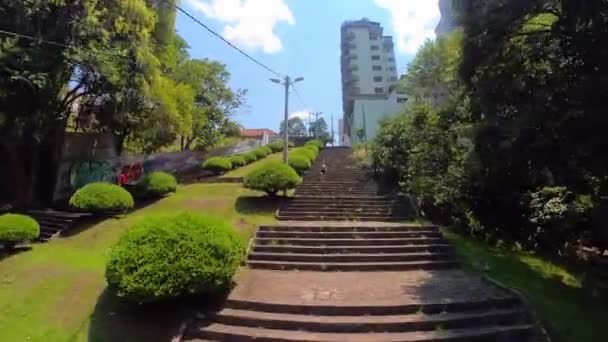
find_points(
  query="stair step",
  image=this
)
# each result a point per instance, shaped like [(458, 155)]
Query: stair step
[(500, 302), (328, 213), (348, 242), (387, 250), (396, 228), (362, 324), (348, 258), (346, 234), (367, 218), (352, 266), (221, 332)]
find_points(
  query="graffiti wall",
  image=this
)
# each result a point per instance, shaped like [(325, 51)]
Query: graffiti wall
[(74, 174)]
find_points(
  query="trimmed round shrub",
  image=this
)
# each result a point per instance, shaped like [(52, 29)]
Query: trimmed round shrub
[(156, 184), (314, 149), (172, 256), (272, 177), (237, 161), (100, 197), (315, 142), (301, 151), (16, 228), (262, 152), (250, 157), (278, 146), (299, 163), (217, 165)]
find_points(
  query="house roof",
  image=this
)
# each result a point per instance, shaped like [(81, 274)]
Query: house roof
[(257, 132)]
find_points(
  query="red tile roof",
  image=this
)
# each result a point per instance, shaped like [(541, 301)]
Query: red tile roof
[(257, 133)]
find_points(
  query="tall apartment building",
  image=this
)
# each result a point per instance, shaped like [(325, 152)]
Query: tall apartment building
[(369, 73), (449, 21)]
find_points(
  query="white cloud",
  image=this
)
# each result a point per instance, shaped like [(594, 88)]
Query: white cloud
[(413, 21), (302, 114), (248, 23)]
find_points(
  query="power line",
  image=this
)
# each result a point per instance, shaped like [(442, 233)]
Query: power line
[(183, 11), (295, 90), (67, 46)]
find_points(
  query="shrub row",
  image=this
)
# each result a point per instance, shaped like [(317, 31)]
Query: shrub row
[(272, 177), (106, 197), (221, 165)]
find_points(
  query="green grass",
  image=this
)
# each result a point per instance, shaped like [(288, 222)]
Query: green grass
[(554, 291), (56, 291), (243, 171)]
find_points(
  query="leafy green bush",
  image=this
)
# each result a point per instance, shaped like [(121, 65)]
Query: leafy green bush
[(100, 197), (314, 149), (237, 161), (317, 143), (250, 157), (299, 163), (272, 177), (262, 152), (217, 165), (172, 256), (278, 145), (156, 184), (16, 228), (301, 151)]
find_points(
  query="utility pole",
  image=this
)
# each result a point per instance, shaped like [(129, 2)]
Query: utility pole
[(287, 82), (316, 114), (309, 124), (332, 130)]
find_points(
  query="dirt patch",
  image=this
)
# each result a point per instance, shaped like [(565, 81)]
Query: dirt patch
[(77, 301)]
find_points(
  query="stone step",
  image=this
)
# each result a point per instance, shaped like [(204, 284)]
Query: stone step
[(353, 198), (332, 212), (348, 258), (364, 324), (353, 266), (328, 192), (342, 218), (327, 201), (386, 210), (351, 204), (349, 228), (349, 235), (221, 332), (498, 302), (386, 250), (348, 242)]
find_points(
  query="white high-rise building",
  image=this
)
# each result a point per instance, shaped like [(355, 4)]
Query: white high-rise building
[(369, 73)]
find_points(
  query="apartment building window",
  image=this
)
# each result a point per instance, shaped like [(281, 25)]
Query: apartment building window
[(379, 90), (377, 68), (393, 78), (391, 68), (377, 78), (391, 59), (373, 37), (375, 47), (375, 58), (402, 100)]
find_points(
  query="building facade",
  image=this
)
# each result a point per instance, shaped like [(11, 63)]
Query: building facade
[(368, 68), (449, 21)]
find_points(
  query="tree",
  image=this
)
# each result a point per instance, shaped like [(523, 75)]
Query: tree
[(40, 82), (215, 101), (296, 127), (319, 129)]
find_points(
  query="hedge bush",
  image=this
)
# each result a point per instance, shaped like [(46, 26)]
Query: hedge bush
[(262, 152), (172, 256), (217, 165), (317, 143), (250, 157), (278, 145), (314, 149), (237, 161), (301, 151), (16, 228), (156, 184), (272, 177), (299, 163), (100, 197)]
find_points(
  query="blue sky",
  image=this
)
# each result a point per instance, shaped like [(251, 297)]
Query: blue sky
[(299, 38)]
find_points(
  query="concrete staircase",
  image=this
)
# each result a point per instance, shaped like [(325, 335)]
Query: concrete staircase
[(344, 193), (53, 222), (322, 274), (350, 248)]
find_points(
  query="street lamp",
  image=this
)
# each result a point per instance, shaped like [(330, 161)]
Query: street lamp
[(287, 82)]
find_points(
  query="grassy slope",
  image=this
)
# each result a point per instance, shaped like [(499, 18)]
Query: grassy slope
[(552, 289), (243, 171), (55, 292)]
